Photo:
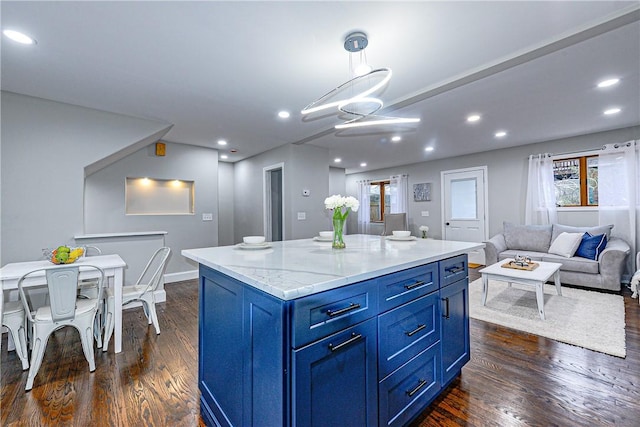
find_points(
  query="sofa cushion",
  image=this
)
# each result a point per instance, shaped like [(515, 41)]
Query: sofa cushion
[(591, 246), (535, 238), (511, 253), (577, 264), (566, 244), (599, 229)]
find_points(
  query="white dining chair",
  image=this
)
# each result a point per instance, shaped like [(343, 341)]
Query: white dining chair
[(143, 291), (88, 288), (13, 317), (64, 309)]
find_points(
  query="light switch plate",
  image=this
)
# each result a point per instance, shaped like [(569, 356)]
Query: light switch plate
[(207, 217), (302, 216), (425, 213)]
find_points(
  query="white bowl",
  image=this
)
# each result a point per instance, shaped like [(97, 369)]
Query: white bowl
[(253, 240), (401, 233), (326, 234)]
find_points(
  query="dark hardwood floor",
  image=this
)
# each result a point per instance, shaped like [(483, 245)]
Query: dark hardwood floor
[(513, 379)]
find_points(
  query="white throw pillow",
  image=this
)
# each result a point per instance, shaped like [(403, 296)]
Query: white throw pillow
[(566, 244)]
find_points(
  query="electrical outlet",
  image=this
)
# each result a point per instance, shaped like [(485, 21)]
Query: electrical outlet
[(425, 213), (302, 216), (207, 217)]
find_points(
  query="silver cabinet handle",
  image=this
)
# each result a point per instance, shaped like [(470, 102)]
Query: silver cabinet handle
[(417, 388), (455, 270), (416, 330), (414, 285), (354, 337), (352, 306)]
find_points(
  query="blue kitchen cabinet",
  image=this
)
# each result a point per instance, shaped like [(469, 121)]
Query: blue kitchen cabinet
[(376, 352)]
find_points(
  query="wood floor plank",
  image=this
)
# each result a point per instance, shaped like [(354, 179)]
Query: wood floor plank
[(513, 378)]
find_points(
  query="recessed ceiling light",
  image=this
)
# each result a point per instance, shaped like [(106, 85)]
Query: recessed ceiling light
[(396, 138), (363, 164), (222, 142), (19, 37), (500, 134), (284, 114), (428, 149), (611, 111), (337, 160), (473, 118), (224, 156), (608, 82)]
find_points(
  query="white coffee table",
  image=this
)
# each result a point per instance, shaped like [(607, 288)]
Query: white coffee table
[(536, 278)]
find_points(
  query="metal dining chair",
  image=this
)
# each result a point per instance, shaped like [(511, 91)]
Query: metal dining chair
[(64, 309), (13, 317), (143, 291)]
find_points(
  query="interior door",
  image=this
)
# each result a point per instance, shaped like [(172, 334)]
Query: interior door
[(465, 207), (274, 203)]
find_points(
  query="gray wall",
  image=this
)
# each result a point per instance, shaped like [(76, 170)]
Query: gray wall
[(225, 204), (305, 167), (105, 199), (507, 181), (45, 147)]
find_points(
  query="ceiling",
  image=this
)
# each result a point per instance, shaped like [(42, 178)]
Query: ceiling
[(224, 69)]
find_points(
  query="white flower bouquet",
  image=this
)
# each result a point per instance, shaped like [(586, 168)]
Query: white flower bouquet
[(341, 207), (424, 229)]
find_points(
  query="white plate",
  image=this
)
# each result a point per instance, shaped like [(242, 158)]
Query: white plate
[(264, 245), (322, 239), (401, 239)]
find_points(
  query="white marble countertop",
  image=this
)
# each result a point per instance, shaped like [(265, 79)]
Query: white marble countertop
[(296, 268)]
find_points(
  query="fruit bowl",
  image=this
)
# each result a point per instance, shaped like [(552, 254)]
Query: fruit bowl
[(64, 255)]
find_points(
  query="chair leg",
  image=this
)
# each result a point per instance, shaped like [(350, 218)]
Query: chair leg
[(153, 316), (86, 336), (19, 337), (108, 327), (39, 345)]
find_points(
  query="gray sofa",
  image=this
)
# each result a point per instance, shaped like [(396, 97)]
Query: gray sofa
[(535, 240)]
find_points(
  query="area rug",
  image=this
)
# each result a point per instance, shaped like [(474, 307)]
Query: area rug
[(588, 319)]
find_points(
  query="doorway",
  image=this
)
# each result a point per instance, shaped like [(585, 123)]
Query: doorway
[(274, 202), (464, 207)]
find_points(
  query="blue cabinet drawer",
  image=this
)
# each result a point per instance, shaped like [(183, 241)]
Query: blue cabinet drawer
[(317, 316), (407, 330), (453, 269), (406, 392), (401, 287)]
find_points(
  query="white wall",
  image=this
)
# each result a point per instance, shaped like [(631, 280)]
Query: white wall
[(105, 199), (305, 167), (225, 204), (45, 147), (507, 179)]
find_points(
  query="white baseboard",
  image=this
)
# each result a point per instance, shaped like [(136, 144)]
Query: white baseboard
[(179, 277)]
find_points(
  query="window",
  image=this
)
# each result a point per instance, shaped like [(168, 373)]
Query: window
[(576, 181), (379, 191)]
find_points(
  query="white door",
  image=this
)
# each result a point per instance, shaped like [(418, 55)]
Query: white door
[(465, 209)]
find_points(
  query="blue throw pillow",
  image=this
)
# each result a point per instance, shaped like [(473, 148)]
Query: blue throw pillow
[(591, 246)]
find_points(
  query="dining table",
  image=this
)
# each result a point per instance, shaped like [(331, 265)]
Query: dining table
[(112, 265)]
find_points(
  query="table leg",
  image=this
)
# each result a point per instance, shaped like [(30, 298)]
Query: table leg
[(540, 298), (556, 279), (118, 280), (485, 288)]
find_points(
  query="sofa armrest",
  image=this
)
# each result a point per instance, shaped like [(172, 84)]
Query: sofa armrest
[(493, 247), (612, 260)]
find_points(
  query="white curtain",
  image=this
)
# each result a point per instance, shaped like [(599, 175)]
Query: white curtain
[(364, 212), (399, 185), (540, 205), (618, 175)]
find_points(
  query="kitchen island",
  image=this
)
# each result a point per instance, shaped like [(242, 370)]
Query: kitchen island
[(298, 333)]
